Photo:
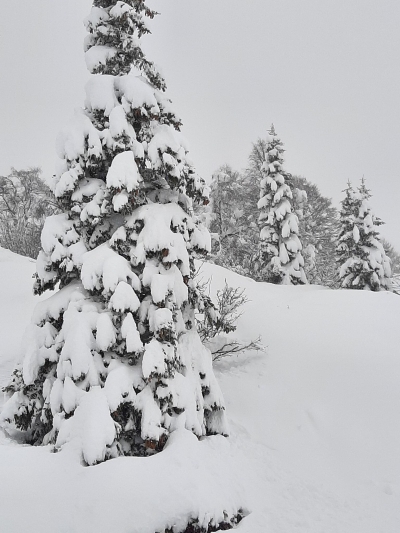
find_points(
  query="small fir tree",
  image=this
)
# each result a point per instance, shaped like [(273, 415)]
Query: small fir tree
[(113, 359), (376, 273), (281, 261), (363, 263)]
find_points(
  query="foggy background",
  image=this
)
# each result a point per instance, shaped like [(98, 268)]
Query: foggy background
[(326, 73)]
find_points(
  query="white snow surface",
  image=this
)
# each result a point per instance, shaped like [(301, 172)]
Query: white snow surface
[(314, 427)]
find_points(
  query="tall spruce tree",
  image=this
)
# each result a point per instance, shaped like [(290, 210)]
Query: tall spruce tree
[(346, 249), (363, 263), (281, 261), (113, 359)]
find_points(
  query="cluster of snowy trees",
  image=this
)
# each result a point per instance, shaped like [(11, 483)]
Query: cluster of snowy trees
[(276, 227), (114, 359), (234, 220), (235, 225)]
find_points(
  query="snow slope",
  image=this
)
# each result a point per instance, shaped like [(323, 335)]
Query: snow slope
[(16, 306), (319, 415), (315, 427)]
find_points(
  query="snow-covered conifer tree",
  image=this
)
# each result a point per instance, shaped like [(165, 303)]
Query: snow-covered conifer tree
[(281, 260), (363, 263), (113, 360), (349, 235), (394, 258)]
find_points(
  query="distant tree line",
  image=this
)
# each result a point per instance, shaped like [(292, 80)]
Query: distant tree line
[(266, 224), (277, 227)]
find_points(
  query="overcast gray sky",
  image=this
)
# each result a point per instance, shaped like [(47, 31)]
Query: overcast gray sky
[(325, 72)]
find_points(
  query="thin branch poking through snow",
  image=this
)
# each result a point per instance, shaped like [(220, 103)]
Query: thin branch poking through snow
[(219, 320)]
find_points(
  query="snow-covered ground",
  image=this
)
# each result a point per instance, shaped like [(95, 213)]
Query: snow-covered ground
[(315, 427)]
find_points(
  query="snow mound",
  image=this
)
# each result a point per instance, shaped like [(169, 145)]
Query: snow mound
[(16, 306), (190, 478), (9, 256)]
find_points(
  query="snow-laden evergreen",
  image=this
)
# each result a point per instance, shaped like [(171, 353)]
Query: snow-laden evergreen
[(281, 260), (348, 234), (113, 360), (362, 260)]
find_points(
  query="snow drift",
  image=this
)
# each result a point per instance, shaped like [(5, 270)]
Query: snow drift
[(315, 427)]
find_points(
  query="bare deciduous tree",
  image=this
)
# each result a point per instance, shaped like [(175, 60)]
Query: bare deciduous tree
[(25, 202)]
